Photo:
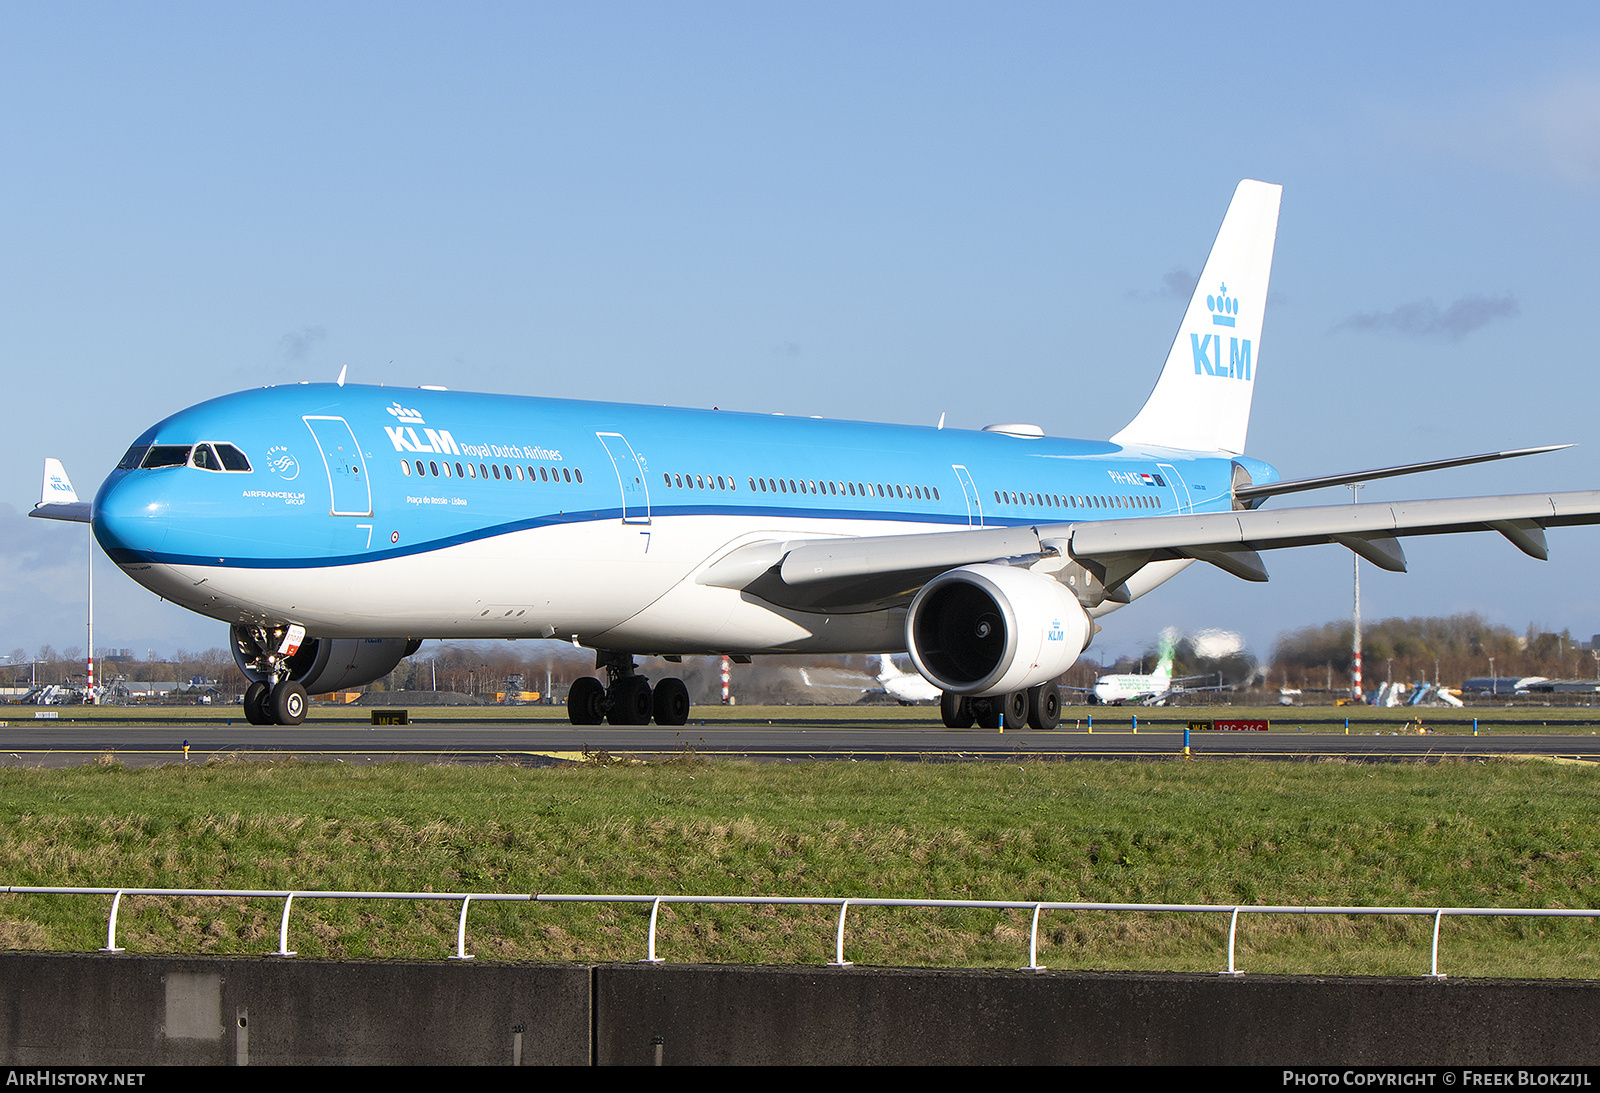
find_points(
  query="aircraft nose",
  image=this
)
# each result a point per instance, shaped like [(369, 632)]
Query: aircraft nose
[(129, 516)]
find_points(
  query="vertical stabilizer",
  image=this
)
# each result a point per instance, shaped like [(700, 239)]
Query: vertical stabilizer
[(1202, 400), (1166, 649)]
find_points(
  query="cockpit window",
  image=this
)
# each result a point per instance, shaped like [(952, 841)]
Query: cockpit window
[(165, 455), (232, 458), (207, 457)]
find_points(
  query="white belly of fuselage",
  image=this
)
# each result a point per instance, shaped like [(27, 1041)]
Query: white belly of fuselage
[(629, 587)]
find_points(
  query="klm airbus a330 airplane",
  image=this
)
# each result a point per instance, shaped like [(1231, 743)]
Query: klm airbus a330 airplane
[(335, 527)]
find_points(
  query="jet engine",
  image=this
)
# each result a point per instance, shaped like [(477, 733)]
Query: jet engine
[(321, 665), (989, 629)]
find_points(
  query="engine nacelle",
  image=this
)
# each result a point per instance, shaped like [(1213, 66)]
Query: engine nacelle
[(321, 665), (990, 629)]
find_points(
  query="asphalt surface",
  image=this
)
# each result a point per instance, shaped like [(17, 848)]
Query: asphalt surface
[(45, 743)]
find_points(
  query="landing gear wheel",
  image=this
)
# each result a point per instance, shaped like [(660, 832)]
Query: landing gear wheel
[(586, 701), (1044, 706), (956, 710), (672, 702), (630, 701), (255, 704), (288, 703), (1015, 706), (986, 711)]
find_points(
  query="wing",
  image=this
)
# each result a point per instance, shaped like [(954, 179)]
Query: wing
[(873, 572)]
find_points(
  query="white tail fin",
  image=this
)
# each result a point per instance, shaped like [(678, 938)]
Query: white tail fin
[(57, 499), (57, 488), (1166, 649), (1202, 400)]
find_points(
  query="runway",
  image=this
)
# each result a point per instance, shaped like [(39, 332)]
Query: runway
[(796, 739)]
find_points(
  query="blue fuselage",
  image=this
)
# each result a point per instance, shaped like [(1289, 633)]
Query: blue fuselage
[(499, 503)]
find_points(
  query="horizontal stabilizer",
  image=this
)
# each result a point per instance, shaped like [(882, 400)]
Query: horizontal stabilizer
[(1273, 489)]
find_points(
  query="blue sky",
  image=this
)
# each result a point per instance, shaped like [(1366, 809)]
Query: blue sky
[(884, 210)]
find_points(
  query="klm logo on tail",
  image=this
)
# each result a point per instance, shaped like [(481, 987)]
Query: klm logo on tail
[(1207, 348)]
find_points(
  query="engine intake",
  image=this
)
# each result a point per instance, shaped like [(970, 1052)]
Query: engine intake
[(991, 629)]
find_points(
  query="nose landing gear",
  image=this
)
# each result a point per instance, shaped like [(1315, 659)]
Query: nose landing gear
[(274, 698)]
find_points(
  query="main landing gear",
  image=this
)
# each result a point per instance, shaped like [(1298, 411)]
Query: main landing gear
[(628, 698), (1037, 707)]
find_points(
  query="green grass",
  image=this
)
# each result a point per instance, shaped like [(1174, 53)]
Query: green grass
[(1451, 834)]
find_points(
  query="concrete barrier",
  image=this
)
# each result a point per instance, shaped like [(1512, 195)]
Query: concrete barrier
[(92, 1009), (135, 1010)]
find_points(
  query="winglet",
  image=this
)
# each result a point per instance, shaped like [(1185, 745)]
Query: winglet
[(57, 499)]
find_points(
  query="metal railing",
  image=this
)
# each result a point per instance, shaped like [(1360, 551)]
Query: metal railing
[(844, 903)]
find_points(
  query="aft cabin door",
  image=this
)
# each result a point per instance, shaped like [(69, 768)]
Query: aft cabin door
[(630, 478), (347, 470), (1179, 488)]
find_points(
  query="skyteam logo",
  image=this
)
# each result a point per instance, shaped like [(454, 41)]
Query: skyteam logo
[(1207, 348), (281, 462)]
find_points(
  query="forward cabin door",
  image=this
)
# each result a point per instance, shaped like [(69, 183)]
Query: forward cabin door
[(351, 495)]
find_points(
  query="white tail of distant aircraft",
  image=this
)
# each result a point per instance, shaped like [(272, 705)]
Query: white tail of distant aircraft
[(907, 688), (1151, 689)]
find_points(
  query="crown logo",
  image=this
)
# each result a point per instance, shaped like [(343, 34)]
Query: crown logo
[(414, 417), (1223, 307)]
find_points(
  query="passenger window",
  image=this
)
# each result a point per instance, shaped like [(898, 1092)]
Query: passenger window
[(434, 467), (420, 471), (405, 468)]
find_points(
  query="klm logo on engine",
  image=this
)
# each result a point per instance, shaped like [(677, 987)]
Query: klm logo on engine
[(1055, 633), (1207, 348)]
